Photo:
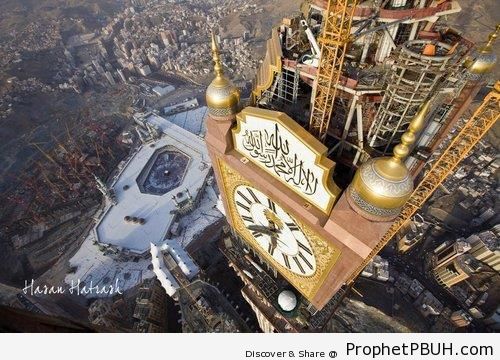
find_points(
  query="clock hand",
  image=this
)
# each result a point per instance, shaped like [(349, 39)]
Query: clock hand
[(263, 229), (277, 231), (272, 234), (267, 231), (257, 228), (274, 242), (282, 242)]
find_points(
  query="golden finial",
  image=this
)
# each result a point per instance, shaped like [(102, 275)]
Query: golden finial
[(216, 57), (382, 185), (402, 150), (222, 96), (488, 48), (484, 59)]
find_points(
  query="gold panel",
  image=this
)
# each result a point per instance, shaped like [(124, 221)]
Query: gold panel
[(325, 253), (269, 67)]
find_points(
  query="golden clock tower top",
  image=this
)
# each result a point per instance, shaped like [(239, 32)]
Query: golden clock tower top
[(382, 185), (222, 96)]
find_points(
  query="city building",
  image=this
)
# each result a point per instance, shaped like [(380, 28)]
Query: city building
[(377, 268), (449, 253), (428, 305), (160, 178), (457, 271), (460, 318), (150, 311), (485, 247)]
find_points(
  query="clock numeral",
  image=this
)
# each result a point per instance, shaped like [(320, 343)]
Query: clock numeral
[(305, 260), (243, 206), (292, 226), (252, 194), (271, 205), (247, 218), (299, 265), (244, 197), (256, 234), (305, 248), (287, 262), (270, 249)]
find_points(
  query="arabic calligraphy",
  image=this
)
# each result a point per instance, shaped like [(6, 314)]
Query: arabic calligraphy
[(271, 149)]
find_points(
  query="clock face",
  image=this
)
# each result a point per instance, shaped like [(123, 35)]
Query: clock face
[(274, 230)]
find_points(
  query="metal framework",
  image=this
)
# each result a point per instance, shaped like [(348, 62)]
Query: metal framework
[(414, 76), (333, 41), (474, 129)]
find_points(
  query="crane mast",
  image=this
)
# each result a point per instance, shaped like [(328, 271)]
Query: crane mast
[(333, 43), (467, 137)]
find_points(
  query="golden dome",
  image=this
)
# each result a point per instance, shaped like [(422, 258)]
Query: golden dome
[(381, 186), (222, 96), (484, 61)]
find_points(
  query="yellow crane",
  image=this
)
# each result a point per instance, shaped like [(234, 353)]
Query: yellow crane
[(333, 42), (467, 137)]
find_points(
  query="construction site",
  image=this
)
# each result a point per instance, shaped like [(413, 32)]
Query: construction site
[(130, 200), (392, 55), (52, 205)]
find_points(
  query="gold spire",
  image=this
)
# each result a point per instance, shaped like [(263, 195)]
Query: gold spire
[(488, 48), (484, 60), (382, 185), (402, 150), (222, 96), (219, 72)]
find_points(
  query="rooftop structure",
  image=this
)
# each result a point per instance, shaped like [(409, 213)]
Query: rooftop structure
[(457, 271), (397, 54), (191, 120), (378, 269), (205, 309), (428, 304), (144, 210), (415, 288), (486, 248)]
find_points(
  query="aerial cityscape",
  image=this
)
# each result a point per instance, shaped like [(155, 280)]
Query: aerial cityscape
[(249, 166)]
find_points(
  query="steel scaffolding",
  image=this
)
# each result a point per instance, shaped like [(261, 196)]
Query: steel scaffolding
[(414, 77), (284, 90)]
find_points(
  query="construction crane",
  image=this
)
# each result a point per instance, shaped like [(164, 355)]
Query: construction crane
[(467, 137), (334, 39)]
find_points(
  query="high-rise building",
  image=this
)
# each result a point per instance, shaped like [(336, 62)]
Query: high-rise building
[(292, 228), (308, 210), (456, 271), (485, 247), (450, 252)]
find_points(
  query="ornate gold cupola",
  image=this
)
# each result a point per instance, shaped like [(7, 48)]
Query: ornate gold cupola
[(382, 185), (223, 98), (484, 60)]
